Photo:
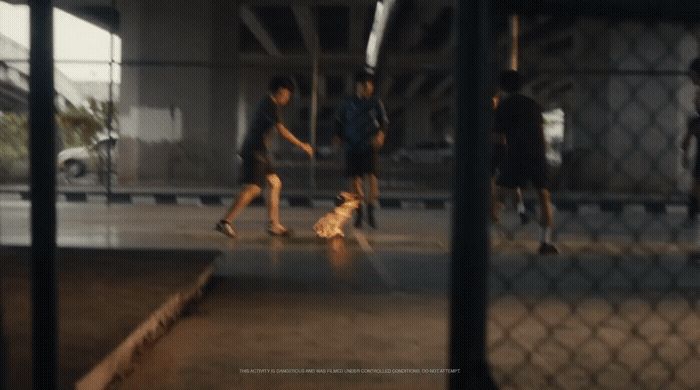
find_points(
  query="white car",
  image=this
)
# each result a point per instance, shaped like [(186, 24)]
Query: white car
[(78, 161)]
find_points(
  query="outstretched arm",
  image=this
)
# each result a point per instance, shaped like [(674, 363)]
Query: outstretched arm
[(286, 134)]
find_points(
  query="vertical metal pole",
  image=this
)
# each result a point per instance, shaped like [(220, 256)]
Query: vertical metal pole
[(313, 120), (514, 41), (470, 237), (514, 45), (43, 196), (110, 115)]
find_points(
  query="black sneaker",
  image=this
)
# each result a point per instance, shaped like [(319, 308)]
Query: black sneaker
[(226, 228), (371, 221), (548, 249)]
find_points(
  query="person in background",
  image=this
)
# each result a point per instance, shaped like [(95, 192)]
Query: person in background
[(257, 170), (361, 125), (693, 131), (499, 153), (520, 119)]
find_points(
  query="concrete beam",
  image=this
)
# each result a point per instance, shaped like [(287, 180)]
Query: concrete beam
[(348, 3), (441, 87), (305, 21), (69, 3), (358, 19), (249, 18), (408, 61)]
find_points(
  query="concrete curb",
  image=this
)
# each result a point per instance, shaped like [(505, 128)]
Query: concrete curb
[(119, 362)]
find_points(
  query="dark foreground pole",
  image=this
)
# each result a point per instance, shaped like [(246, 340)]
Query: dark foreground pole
[(43, 196), (470, 240)]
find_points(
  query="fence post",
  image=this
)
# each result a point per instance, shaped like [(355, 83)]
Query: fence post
[(470, 238), (43, 197)]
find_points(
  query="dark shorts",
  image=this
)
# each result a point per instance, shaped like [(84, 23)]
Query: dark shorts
[(360, 163), (255, 168), (519, 171)]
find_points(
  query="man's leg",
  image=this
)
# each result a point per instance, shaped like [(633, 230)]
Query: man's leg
[(546, 222), (520, 206), (693, 205), (373, 199), (249, 192), (693, 201), (358, 189), (273, 201)]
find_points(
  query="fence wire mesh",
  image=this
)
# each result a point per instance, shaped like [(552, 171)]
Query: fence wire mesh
[(620, 307)]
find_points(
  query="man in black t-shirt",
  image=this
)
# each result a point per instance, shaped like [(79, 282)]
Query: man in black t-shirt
[(693, 131), (520, 119), (361, 124), (499, 153), (257, 170)]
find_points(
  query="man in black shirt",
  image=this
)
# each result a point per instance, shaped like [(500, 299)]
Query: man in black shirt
[(257, 170), (693, 131), (361, 124), (520, 119), (499, 152)]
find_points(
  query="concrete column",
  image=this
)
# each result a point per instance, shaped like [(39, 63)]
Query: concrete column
[(130, 33), (170, 95), (224, 92)]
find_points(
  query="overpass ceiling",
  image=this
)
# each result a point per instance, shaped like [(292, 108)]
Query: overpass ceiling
[(421, 26), (70, 3), (98, 12), (419, 40)]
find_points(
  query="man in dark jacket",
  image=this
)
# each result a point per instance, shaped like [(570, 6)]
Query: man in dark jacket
[(361, 124)]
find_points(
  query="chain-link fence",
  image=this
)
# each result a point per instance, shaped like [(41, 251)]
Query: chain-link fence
[(619, 308)]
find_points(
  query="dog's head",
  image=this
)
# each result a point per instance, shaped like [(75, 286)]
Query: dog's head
[(345, 197)]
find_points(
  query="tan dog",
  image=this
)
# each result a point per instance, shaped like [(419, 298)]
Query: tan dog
[(331, 224)]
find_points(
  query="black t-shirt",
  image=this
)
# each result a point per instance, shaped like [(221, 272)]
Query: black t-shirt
[(520, 119), (259, 136)]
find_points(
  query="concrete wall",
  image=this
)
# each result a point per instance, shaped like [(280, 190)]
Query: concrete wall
[(177, 113)]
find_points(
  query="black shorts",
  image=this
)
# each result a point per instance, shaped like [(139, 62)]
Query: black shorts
[(519, 171), (255, 168), (360, 163)]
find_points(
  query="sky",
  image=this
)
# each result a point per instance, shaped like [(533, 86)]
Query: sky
[(74, 39)]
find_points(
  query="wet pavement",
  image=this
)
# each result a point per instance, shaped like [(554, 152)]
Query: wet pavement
[(371, 311)]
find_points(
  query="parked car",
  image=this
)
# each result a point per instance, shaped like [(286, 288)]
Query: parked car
[(426, 152), (78, 161)]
